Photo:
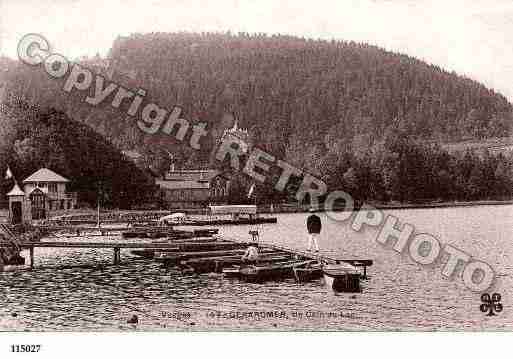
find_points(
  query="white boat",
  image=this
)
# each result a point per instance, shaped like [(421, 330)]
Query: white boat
[(237, 214), (234, 210), (179, 217)]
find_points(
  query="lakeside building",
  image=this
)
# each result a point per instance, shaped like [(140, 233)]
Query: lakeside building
[(238, 135), (44, 194), (193, 188)]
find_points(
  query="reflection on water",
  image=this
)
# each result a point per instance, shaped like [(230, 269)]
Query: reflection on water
[(74, 289)]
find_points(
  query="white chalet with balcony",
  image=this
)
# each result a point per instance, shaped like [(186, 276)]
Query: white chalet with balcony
[(44, 194)]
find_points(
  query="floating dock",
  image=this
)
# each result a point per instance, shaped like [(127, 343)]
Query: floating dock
[(190, 222), (187, 249), (209, 253), (128, 232)]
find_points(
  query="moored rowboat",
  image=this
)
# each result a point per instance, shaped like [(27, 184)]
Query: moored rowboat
[(308, 272), (276, 271), (342, 277), (217, 264), (174, 258)]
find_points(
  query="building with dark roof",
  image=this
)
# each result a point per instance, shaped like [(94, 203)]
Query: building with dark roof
[(193, 188)]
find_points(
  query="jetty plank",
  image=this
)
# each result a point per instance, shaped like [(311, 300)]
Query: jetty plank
[(110, 245), (163, 256), (328, 258)]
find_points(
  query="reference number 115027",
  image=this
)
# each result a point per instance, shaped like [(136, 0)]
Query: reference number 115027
[(28, 348)]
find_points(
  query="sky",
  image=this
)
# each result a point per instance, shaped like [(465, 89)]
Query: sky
[(472, 37)]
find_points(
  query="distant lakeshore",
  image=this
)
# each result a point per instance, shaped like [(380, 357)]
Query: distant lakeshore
[(288, 208), (294, 208)]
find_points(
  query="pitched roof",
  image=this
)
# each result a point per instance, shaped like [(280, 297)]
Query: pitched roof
[(176, 185), (191, 175), (45, 175), (16, 191)]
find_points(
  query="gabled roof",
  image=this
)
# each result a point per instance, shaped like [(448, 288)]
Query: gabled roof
[(176, 185), (45, 175), (191, 175), (16, 191)]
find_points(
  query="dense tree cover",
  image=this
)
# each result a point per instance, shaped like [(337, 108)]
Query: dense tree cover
[(289, 90), (48, 138), (397, 169), (361, 118)]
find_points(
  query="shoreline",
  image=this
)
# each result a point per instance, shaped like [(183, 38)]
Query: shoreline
[(446, 204), (293, 208), (289, 208)]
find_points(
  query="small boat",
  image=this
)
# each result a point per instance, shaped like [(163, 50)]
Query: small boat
[(171, 258), (217, 264), (308, 272), (175, 218), (259, 273), (12, 263), (209, 246), (342, 277), (239, 214), (143, 253), (150, 253), (206, 232), (160, 232), (232, 272)]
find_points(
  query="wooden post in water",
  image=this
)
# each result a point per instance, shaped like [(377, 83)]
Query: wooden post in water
[(117, 255), (98, 214), (31, 251)]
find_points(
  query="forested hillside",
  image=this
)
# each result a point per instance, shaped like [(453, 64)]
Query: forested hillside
[(287, 90), (38, 138), (357, 116)]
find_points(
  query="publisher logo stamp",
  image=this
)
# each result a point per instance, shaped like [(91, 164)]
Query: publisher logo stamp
[(491, 304)]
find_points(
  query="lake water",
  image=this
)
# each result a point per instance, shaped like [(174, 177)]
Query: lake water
[(79, 289)]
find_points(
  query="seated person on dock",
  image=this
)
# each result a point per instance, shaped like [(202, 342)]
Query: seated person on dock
[(251, 255)]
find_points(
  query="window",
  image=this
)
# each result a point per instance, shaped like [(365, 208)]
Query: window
[(52, 187)]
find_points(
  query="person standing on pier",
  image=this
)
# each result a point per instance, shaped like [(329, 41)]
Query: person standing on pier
[(314, 226)]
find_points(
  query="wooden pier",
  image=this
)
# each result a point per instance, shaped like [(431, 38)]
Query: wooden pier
[(115, 246), (202, 251), (185, 248), (199, 251)]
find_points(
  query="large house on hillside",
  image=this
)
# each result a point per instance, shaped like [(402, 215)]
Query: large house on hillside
[(238, 135), (193, 188), (44, 194)]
